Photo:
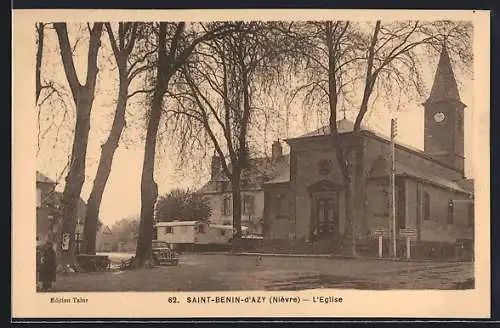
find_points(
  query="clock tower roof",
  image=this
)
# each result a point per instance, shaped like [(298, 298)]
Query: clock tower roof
[(444, 86)]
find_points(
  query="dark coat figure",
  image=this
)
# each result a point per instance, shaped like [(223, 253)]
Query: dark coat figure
[(38, 262), (38, 259), (47, 274)]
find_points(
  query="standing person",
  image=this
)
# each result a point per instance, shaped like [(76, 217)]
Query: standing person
[(48, 266), (38, 263)]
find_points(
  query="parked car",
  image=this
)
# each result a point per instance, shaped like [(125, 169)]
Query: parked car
[(163, 254)]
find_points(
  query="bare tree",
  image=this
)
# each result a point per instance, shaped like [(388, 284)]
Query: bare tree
[(342, 58), (220, 95), (181, 44), (83, 96), (129, 66), (40, 32)]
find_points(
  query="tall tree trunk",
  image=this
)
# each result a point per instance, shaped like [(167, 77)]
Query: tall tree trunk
[(105, 163), (349, 205), (83, 96), (342, 152), (352, 155), (350, 200), (149, 188), (236, 193), (76, 176), (167, 65), (40, 27)]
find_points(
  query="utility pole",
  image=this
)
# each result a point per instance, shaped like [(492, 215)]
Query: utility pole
[(392, 182)]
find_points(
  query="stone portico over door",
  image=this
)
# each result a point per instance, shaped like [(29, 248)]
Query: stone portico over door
[(325, 218)]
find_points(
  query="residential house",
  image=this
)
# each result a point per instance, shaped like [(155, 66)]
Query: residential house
[(104, 239), (48, 204), (260, 170)]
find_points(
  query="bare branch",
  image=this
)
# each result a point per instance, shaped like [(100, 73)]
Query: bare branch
[(133, 38), (67, 59), (141, 91), (112, 40), (94, 44), (369, 79)]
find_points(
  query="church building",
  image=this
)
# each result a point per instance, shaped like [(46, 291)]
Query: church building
[(301, 195)]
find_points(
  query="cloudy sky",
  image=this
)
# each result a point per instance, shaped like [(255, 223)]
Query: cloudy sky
[(122, 195)]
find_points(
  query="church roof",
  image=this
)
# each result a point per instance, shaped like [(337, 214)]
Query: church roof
[(429, 178), (343, 126), (467, 184), (346, 126), (444, 86), (279, 171), (380, 169)]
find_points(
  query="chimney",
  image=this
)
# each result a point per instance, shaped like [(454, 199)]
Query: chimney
[(215, 167), (277, 150)]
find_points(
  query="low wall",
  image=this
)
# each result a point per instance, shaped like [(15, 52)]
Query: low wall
[(365, 248), (201, 247)]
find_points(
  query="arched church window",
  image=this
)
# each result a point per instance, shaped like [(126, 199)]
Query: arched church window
[(281, 206), (227, 206), (426, 206)]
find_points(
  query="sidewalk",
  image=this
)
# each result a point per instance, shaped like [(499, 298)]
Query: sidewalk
[(334, 256)]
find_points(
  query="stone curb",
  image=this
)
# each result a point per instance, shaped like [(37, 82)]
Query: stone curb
[(333, 256)]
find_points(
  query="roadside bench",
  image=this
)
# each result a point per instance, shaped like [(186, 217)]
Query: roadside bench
[(92, 263)]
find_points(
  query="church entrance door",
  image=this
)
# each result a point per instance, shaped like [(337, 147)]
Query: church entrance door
[(327, 217)]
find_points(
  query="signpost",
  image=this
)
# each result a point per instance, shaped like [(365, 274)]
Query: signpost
[(392, 186), (380, 233), (409, 234)]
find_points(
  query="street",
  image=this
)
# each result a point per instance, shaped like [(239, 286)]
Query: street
[(203, 272)]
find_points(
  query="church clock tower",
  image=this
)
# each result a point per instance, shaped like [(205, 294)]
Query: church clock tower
[(444, 117)]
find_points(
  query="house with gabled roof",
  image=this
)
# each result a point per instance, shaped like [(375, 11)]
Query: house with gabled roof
[(260, 170), (104, 239), (48, 202), (45, 187)]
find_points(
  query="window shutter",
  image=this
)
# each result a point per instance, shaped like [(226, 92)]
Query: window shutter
[(251, 205)]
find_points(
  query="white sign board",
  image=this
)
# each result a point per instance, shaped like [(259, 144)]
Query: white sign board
[(408, 232), (380, 232)]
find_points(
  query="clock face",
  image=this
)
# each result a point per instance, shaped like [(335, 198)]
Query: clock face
[(439, 117)]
